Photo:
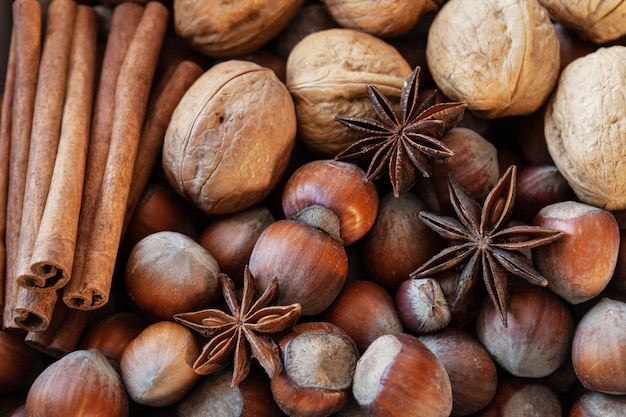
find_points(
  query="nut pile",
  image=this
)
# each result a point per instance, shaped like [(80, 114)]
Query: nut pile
[(312, 208)]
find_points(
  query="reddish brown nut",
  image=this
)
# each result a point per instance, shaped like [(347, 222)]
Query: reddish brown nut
[(538, 335), (422, 305), (169, 273), (230, 239), (214, 396), (111, 334), (599, 347), (319, 360), (519, 397), (19, 363), (387, 257), (338, 186), (577, 269), (598, 404), (83, 382), (399, 376), (157, 366), (347, 312), (618, 281), (472, 371)]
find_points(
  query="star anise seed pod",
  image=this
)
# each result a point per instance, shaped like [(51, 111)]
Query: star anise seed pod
[(486, 244), (407, 142), (246, 332)]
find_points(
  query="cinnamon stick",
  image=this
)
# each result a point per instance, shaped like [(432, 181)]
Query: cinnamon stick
[(124, 21), (26, 37), (5, 142), (34, 309), (160, 109), (90, 290), (50, 96), (53, 252)]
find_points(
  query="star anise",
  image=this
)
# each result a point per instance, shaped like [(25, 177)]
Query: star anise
[(485, 242), (405, 142), (245, 333)]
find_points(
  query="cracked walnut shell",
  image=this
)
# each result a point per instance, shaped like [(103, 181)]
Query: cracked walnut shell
[(327, 74), (220, 28), (585, 127), (230, 138), (501, 57)]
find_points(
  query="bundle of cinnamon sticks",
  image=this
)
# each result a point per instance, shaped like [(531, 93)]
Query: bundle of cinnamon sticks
[(78, 141)]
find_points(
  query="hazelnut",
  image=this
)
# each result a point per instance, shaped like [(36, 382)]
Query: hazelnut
[(501, 57), (327, 72), (111, 334), (584, 127), (230, 137), (518, 397), (598, 404), (422, 305), (19, 363)]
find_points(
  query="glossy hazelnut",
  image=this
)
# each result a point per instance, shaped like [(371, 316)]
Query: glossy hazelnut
[(230, 239), (319, 359), (422, 305), (111, 334), (338, 186), (577, 269), (472, 371), (599, 347), (157, 366), (519, 397), (537, 338), (399, 376), (214, 396), (539, 186), (598, 404), (347, 312), (83, 382), (387, 257), (19, 363), (169, 273)]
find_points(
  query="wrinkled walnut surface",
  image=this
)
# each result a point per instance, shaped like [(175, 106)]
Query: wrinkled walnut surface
[(327, 72), (501, 57), (598, 21), (221, 28), (585, 127), (230, 138)]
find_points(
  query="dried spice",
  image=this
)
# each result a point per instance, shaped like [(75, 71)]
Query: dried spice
[(485, 242), (246, 332), (405, 142)]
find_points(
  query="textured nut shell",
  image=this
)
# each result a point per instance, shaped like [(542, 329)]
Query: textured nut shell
[(327, 72), (598, 21), (230, 138), (585, 127), (501, 57), (386, 18), (220, 28)]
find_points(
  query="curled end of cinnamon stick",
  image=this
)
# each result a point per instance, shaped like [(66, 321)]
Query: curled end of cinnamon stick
[(87, 299), (30, 320), (44, 277)]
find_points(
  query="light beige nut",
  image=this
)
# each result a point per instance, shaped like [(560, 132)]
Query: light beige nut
[(585, 127), (386, 18), (220, 28), (501, 57), (230, 138), (327, 74), (597, 21)]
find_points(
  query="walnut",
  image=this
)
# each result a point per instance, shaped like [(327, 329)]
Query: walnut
[(386, 18), (501, 57), (230, 138), (220, 28), (597, 21), (327, 72), (585, 127)]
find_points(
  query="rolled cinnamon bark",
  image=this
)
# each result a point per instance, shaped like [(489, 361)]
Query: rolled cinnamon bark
[(50, 96), (53, 253), (91, 289), (27, 39), (125, 19), (34, 309)]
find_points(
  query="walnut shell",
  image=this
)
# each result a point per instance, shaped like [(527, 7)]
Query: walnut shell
[(597, 21), (501, 57), (327, 72), (386, 18), (585, 127), (220, 28), (230, 138)]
